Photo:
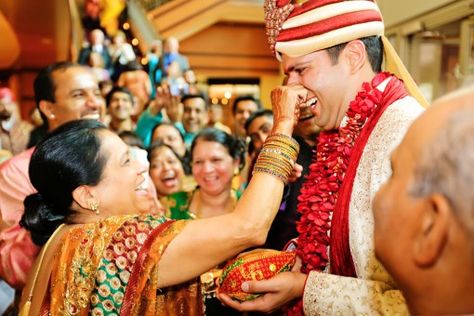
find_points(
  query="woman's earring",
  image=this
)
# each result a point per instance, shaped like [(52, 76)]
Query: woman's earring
[(94, 206)]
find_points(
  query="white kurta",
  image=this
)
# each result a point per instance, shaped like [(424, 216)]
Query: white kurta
[(373, 292)]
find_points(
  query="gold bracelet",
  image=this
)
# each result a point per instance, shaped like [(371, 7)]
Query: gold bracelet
[(278, 152), (281, 147), (285, 139), (284, 169), (271, 172), (291, 152)]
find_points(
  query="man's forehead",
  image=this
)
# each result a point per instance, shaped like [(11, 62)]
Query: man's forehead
[(80, 76), (289, 63), (259, 122), (194, 103), (421, 132), (167, 129), (121, 95), (246, 104)]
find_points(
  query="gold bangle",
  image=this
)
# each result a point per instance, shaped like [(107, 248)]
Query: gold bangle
[(271, 172), (287, 149), (278, 158), (284, 139), (277, 152), (291, 152), (283, 169)]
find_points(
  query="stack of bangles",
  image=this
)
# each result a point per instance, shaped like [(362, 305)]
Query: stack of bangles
[(278, 156)]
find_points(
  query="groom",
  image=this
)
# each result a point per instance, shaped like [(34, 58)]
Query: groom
[(332, 53)]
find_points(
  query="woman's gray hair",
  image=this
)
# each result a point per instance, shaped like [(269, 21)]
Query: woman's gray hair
[(446, 166)]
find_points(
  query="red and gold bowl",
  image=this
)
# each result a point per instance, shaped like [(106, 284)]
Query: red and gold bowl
[(256, 265)]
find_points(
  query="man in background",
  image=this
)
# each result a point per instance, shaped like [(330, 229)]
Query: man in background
[(120, 108), (242, 108), (194, 116)]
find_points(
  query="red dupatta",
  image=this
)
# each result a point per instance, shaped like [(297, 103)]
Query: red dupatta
[(341, 258)]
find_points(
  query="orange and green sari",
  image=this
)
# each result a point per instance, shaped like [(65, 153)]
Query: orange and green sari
[(111, 268)]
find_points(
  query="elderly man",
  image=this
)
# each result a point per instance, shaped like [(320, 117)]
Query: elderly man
[(332, 52), (97, 45), (424, 214), (171, 54)]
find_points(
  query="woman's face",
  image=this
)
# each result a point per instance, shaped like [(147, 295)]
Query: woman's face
[(171, 137), (122, 189), (213, 167), (166, 171)]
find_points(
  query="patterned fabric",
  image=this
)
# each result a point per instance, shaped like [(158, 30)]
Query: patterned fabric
[(373, 292), (110, 268), (259, 264), (116, 265)]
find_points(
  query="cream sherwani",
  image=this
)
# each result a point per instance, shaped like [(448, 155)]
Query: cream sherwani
[(373, 292)]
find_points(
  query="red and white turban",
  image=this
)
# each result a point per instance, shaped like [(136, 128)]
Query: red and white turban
[(304, 28), (300, 28)]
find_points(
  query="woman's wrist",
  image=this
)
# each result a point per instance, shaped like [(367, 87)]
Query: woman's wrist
[(283, 127)]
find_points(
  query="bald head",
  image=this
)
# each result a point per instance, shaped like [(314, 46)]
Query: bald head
[(446, 135), (424, 213)]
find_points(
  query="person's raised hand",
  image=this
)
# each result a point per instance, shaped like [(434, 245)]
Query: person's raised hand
[(162, 99), (174, 109)]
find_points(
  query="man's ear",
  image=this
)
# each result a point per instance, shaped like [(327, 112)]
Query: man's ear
[(433, 230), (83, 196), (355, 55), (47, 108)]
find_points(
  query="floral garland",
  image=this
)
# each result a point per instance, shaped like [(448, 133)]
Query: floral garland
[(320, 191)]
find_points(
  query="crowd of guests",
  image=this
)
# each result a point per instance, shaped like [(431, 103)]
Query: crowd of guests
[(376, 190)]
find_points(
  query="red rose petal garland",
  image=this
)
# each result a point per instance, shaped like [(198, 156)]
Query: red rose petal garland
[(326, 173)]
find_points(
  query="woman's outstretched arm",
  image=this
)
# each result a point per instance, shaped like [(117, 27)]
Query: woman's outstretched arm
[(207, 242)]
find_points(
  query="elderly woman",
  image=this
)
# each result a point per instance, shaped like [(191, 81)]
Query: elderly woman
[(100, 256)]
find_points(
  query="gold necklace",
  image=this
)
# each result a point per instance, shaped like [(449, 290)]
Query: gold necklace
[(196, 198)]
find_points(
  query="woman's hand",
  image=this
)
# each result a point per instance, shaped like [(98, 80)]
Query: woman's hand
[(285, 105)]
